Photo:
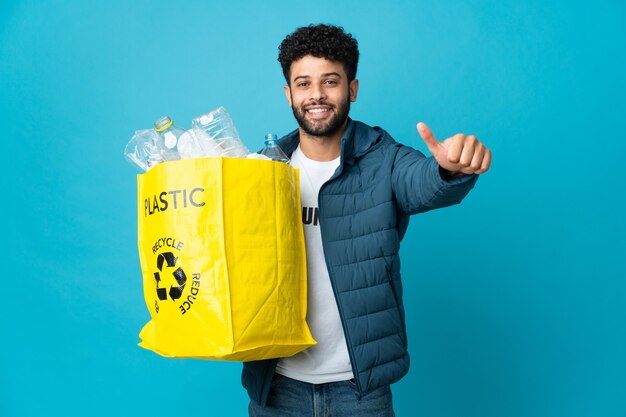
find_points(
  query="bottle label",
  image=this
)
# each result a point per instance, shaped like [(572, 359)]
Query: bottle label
[(170, 140), (205, 119)]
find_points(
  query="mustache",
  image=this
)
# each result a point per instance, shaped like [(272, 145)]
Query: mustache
[(317, 103)]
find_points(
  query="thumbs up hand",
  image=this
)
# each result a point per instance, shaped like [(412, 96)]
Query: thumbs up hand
[(459, 154)]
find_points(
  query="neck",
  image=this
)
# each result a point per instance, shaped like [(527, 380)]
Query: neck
[(322, 148)]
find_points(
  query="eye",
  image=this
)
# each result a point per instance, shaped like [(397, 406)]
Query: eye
[(302, 84), (330, 82)]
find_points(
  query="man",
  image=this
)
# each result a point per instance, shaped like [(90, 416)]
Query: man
[(358, 188)]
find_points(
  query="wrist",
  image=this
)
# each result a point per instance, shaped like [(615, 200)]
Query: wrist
[(449, 175)]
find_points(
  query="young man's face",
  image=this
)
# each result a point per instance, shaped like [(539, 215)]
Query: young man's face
[(319, 95)]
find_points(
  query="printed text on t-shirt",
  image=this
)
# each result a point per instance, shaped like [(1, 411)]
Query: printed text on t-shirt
[(310, 215)]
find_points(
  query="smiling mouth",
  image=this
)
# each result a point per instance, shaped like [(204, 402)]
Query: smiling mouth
[(315, 110)]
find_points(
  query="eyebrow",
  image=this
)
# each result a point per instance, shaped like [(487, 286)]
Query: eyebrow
[(326, 74)]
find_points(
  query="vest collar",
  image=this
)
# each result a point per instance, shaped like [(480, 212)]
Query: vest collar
[(357, 139)]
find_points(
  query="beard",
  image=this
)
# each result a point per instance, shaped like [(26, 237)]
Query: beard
[(322, 127)]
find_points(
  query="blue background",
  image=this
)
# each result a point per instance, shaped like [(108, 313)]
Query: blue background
[(515, 298)]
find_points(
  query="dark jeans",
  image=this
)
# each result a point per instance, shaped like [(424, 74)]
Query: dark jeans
[(291, 398)]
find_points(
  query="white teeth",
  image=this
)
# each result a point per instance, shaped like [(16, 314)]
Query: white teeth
[(317, 110)]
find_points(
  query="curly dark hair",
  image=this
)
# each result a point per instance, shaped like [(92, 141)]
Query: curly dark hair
[(320, 41)]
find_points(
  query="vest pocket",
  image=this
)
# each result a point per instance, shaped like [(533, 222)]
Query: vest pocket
[(396, 288)]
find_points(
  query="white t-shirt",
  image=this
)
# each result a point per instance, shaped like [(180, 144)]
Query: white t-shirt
[(328, 360)]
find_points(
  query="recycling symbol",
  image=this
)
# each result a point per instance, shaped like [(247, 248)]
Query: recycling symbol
[(169, 260)]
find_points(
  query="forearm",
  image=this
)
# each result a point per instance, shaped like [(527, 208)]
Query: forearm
[(421, 185)]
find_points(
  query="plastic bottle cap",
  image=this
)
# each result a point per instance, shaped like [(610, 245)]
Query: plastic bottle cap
[(163, 123)]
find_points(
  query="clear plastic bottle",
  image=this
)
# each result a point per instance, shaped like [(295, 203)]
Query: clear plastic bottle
[(203, 148), (272, 150), (217, 126), (168, 138), (189, 146), (141, 151)]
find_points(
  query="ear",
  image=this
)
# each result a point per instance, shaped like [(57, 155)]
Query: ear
[(354, 89), (288, 94)]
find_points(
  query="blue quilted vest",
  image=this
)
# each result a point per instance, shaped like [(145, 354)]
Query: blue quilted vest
[(364, 212)]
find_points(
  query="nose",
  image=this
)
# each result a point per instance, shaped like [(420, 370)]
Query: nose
[(317, 92)]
